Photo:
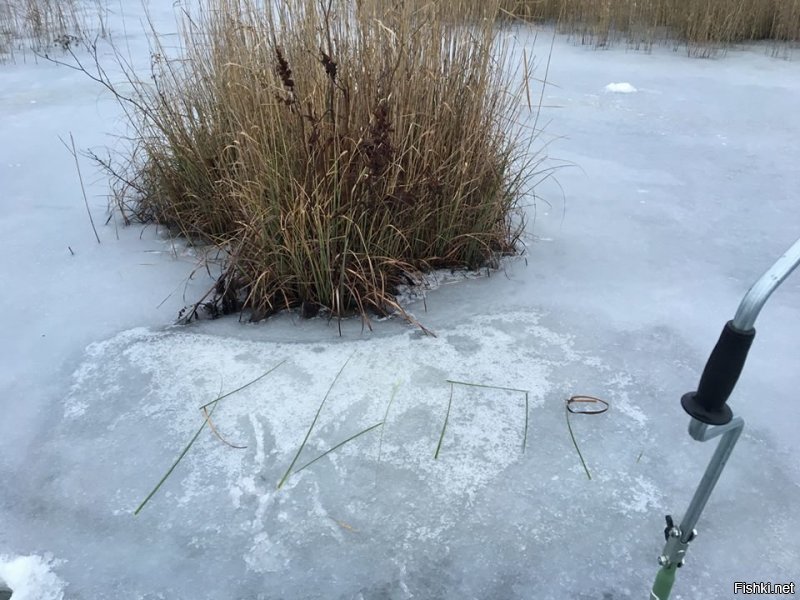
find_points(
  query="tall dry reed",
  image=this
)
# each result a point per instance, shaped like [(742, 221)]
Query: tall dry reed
[(332, 149), (40, 25), (700, 23)]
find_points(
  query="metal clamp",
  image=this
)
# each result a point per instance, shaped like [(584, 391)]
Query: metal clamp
[(674, 552)]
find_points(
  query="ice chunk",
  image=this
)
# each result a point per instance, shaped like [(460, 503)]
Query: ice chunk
[(31, 577), (620, 88)]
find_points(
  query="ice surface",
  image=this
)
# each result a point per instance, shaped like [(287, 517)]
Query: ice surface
[(685, 192)]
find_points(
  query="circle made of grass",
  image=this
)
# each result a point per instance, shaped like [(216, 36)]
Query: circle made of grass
[(585, 400)]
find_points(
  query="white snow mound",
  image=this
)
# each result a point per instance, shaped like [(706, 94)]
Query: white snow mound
[(31, 577), (620, 88)]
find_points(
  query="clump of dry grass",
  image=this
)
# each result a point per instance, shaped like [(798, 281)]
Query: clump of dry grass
[(42, 24), (703, 24), (332, 149)]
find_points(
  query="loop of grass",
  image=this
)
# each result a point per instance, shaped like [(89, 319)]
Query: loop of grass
[(583, 399)]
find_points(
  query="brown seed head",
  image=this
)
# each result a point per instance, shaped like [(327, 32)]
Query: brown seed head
[(284, 71), (329, 64)]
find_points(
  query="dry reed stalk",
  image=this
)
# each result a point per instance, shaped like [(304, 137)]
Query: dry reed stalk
[(46, 25), (705, 25), (331, 149)]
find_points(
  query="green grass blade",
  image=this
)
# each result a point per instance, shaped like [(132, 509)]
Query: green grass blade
[(444, 426), (525, 435), (488, 387), (383, 428), (239, 389), (175, 464), (213, 404), (496, 387), (339, 445), (574, 443), (314, 422)]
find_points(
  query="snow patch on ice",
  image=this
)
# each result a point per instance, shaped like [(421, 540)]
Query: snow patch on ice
[(74, 408), (641, 497), (266, 555), (258, 432), (482, 443), (97, 357), (622, 402), (620, 88), (31, 577)]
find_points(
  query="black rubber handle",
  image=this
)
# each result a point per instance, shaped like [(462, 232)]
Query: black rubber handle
[(708, 403)]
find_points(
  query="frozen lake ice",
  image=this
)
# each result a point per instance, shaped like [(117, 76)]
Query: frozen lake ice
[(681, 188)]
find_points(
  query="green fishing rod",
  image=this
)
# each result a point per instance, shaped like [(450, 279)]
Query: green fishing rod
[(711, 417)]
